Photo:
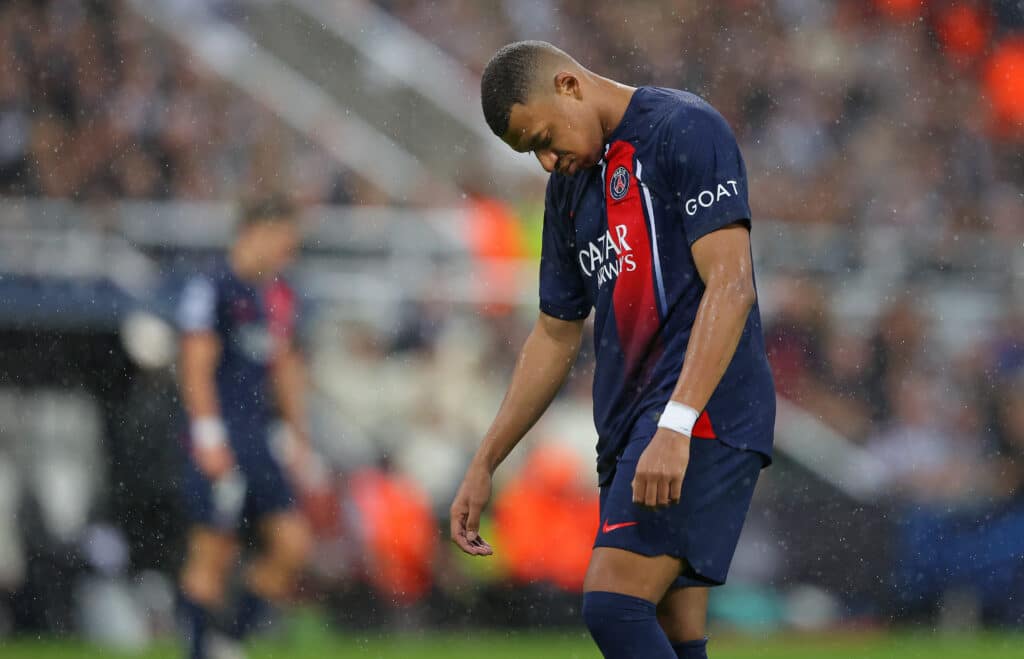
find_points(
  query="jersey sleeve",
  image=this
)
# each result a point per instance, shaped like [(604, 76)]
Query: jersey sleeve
[(562, 292), (706, 170), (197, 308)]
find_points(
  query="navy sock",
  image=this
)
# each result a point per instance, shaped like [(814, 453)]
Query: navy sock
[(196, 623), (252, 611), (692, 649), (625, 627)]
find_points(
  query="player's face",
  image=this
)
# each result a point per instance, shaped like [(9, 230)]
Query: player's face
[(278, 242), (562, 131)]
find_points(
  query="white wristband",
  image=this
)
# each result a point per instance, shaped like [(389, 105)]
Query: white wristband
[(209, 432), (679, 418)]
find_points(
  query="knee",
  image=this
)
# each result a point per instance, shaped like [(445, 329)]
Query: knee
[(680, 628), (697, 649), (624, 627), (204, 574), (607, 613), (204, 581), (292, 545)]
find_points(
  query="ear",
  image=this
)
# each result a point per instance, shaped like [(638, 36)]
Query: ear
[(566, 83)]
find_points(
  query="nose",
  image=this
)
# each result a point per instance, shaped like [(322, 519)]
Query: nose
[(547, 160)]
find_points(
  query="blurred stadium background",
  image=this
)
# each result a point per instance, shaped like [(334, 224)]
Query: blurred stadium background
[(885, 144)]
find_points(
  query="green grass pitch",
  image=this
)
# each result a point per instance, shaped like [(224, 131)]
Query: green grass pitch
[(493, 645)]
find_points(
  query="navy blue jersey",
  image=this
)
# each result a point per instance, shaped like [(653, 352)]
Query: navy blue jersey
[(253, 324), (617, 239)]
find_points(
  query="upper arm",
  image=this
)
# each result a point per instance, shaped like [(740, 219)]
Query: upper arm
[(569, 332), (706, 171), (197, 318), (723, 257)]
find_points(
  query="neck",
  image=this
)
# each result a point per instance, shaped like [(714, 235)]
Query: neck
[(614, 100)]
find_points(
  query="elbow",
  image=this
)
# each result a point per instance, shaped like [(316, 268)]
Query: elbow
[(746, 293), (739, 290)]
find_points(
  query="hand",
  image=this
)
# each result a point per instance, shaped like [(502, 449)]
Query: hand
[(660, 469), (301, 463), (295, 452), (469, 503), (214, 461)]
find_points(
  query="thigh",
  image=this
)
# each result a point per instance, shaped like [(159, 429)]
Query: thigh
[(625, 572), (209, 554), (286, 535)]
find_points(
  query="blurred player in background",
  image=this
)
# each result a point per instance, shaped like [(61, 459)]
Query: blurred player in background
[(239, 370), (647, 222)]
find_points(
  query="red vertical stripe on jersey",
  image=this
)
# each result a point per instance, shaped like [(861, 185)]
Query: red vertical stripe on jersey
[(636, 307), (280, 301)]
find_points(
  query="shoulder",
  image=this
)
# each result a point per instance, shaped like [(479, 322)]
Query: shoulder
[(673, 108), (198, 303), (690, 132), (690, 121)]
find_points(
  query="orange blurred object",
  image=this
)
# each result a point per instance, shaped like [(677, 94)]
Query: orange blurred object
[(902, 10), (1004, 84), (497, 240), (546, 520), (963, 30), (399, 534)]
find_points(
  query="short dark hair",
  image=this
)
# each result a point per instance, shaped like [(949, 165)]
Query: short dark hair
[(509, 77), (267, 208)]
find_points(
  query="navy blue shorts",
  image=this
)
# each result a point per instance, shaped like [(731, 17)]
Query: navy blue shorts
[(703, 528), (257, 487)]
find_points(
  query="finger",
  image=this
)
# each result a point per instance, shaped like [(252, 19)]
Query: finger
[(458, 524), (663, 486), (651, 495), (676, 490), (473, 521), (483, 548), (639, 488), (455, 524)]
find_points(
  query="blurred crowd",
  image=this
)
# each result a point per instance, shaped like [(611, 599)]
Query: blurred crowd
[(941, 427), (94, 105), (943, 420), (886, 112)]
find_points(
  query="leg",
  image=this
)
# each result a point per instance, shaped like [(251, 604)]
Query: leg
[(202, 581), (288, 542), (270, 578), (620, 591), (683, 613)]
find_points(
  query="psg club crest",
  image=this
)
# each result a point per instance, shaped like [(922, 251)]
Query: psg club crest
[(619, 184)]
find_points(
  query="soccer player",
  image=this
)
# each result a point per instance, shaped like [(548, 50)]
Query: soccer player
[(238, 370), (646, 223)]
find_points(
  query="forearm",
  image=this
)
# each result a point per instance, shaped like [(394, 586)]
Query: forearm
[(541, 369), (199, 395), (716, 332)]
